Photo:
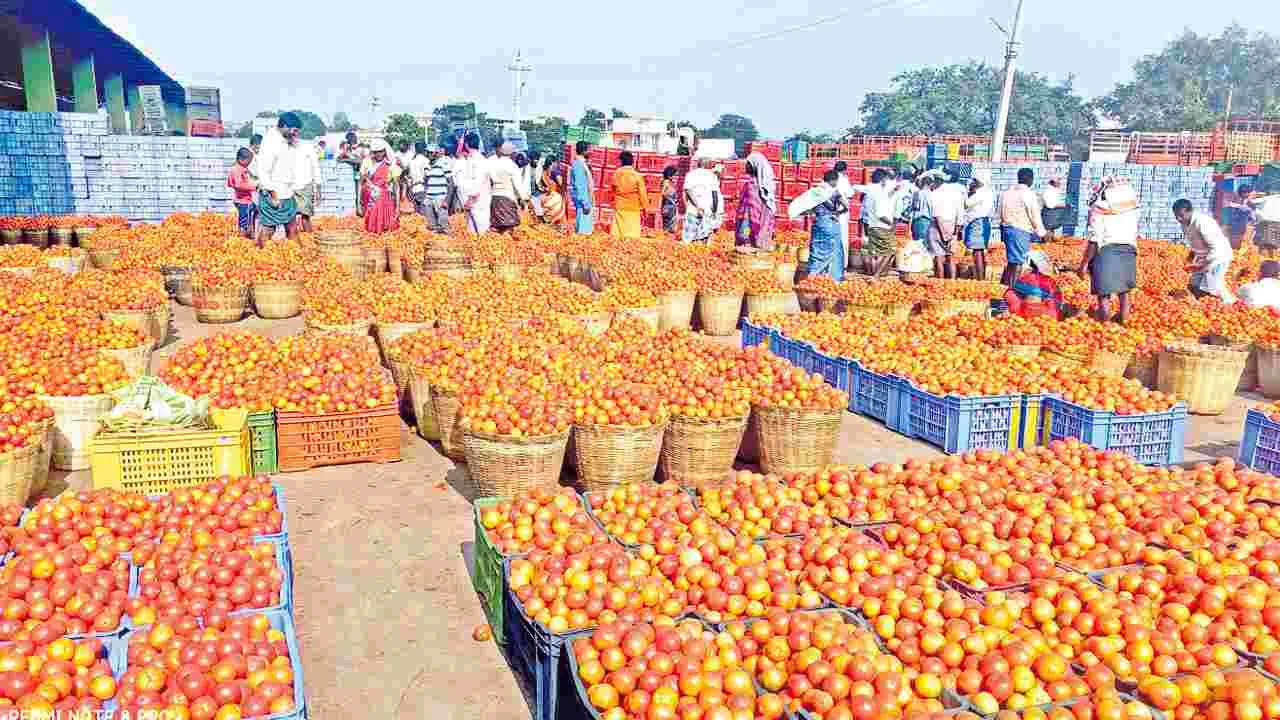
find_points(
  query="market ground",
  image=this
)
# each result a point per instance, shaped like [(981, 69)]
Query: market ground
[(382, 553)]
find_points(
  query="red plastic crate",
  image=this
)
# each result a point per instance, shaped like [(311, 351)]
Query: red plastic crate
[(653, 162), (596, 155), (790, 172), (604, 196), (606, 177), (612, 157), (652, 182), (309, 441), (794, 189)]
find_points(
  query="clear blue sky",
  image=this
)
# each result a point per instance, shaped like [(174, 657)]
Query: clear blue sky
[(668, 57)]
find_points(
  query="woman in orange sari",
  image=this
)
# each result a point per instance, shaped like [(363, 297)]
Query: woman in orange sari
[(553, 194), (378, 194)]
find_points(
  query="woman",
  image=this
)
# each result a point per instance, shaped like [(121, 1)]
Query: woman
[(669, 199), (1035, 293), (553, 211), (825, 204), (630, 198), (758, 205), (1111, 253), (504, 174), (379, 180)]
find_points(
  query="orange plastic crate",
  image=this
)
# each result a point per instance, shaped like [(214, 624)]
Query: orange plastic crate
[(310, 441)]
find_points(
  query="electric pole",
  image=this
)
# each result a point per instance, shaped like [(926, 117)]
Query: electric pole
[(374, 102), (518, 70), (1006, 95)]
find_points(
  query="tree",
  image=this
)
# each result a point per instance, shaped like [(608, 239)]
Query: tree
[(812, 137), (545, 136), (738, 127), (341, 123), (592, 118), (617, 113), (965, 100), (312, 124), (1185, 86), (245, 131), (403, 128)]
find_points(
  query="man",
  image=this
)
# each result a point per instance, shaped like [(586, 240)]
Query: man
[(845, 188), (1111, 255), (948, 214), (504, 174), (436, 198), (630, 199), (1266, 291), (880, 210), (277, 174), (351, 154), (978, 207), (1053, 207), (1020, 224), (307, 184), (582, 190), (475, 189), (418, 167), (704, 206), (1267, 233), (531, 178), (1211, 252)]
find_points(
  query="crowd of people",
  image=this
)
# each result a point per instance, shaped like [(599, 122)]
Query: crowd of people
[(276, 184)]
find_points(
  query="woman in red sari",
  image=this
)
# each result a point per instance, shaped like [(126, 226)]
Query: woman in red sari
[(378, 190)]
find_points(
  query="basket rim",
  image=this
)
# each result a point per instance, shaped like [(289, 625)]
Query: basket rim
[(21, 453), (737, 293), (622, 429), (795, 411), (688, 420), (306, 317), (268, 283), (522, 440)]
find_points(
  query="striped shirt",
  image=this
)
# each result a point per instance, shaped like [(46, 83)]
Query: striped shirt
[(438, 179)]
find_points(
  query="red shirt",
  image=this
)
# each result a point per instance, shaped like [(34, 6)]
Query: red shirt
[(240, 181)]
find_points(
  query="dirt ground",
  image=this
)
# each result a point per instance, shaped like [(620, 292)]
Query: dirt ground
[(382, 554)]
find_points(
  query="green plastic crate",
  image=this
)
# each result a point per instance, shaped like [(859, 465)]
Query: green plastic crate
[(262, 442), (487, 578)]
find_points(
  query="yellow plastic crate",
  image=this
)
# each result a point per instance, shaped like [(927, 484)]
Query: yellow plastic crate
[(161, 462)]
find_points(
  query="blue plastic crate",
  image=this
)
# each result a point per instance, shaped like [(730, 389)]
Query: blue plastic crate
[(881, 397), (960, 424), (1260, 446), (1151, 438), (837, 371), (753, 335), (535, 654), (280, 537)]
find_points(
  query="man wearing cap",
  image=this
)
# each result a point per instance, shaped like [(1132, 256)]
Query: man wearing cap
[(978, 207), (277, 173)]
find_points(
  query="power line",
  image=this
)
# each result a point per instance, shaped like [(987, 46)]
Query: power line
[(818, 23)]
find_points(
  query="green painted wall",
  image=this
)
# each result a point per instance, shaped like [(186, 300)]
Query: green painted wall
[(114, 88), (37, 75), (84, 81)]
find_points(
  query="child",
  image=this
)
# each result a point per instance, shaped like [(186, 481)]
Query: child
[(244, 186), (1035, 293)]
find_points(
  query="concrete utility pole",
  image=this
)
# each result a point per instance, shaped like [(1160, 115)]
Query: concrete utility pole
[(518, 70), (1010, 55)]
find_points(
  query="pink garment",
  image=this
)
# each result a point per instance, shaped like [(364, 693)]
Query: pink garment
[(240, 181), (755, 222)]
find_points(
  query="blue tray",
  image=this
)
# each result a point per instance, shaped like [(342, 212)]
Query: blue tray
[(1151, 438), (961, 424), (1260, 445), (536, 654)]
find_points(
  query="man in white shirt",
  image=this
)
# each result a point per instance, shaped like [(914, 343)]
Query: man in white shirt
[(948, 212), (471, 177), (978, 206), (880, 210), (1266, 291), (306, 184), (1212, 252), (504, 174), (1267, 235), (277, 172), (845, 188), (1111, 255), (1053, 206), (418, 167)]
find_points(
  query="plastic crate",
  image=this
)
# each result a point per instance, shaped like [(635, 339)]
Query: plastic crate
[(308, 441), (837, 371), (535, 654), (159, 462), (1260, 445), (960, 424), (753, 335), (489, 580), (1029, 415), (1151, 438), (118, 658), (880, 397), (262, 442)]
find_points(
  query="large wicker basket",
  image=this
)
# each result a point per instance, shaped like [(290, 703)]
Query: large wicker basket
[(217, 305), (1109, 364), (1027, 352), (1249, 379), (1065, 357), (504, 466), (771, 303), (445, 405), (17, 471), (75, 423), (1269, 370), (105, 258), (676, 307), (960, 307), (596, 323), (277, 299), (419, 391), (387, 333), (507, 271), (44, 460), (719, 312), (796, 440), (1143, 369), (809, 301), (136, 360), (70, 264), (375, 259), (651, 316), (63, 236), (608, 455), (153, 323), (697, 452), (177, 279), (357, 328), (786, 273), (1204, 376), (749, 259)]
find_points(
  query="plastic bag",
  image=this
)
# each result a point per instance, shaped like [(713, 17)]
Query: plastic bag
[(913, 258), (150, 404)]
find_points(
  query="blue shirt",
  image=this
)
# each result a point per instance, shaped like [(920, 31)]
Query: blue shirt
[(580, 186)]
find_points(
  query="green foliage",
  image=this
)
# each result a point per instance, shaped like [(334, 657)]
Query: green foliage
[(245, 131), (813, 137), (592, 118), (1185, 85), (617, 113), (738, 127), (403, 128), (545, 136), (312, 124), (341, 123)]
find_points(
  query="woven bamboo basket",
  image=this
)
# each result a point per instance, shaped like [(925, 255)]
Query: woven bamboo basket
[(1027, 352), (412, 273), (443, 264), (10, 237), (609, 455), (420, 400), (1065, 357), (329, 239), (17, 473), (569, 268), (507, 271), (749, 450), (175, 278), (44, 459), (771, 303), (1204, 376), (23, 271), (357, 328), (375, 259), (698, 452), (83, 233), (961, 307), (1109, 364), (651, 316), (809, 300), (1249, 379), (446, 405), (75, 423), (395, 265), (136, 360), (786, 273), (153, 323), (277, 299), (796, 440), (387, 333), (504, 466), (838, 306), (39, 238), (596, 323), (400, 374), (751, 260), (104, 259), (354, 259), (1143, 369), (676, 307), (69, 264), (217, 305), (719, 313)]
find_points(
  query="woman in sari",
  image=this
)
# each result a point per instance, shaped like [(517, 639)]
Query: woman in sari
[(757, 205), (379, 180), (826, 254), (553, 211)]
